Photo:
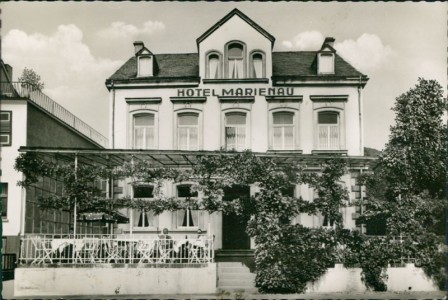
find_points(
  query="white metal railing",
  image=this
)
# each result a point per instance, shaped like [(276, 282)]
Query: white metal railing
[(100, 249), (21, 89)]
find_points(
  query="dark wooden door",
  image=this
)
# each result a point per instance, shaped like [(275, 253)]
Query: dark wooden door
[(234, 227)]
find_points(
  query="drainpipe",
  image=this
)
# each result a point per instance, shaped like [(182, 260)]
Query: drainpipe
[(113, 115), (361, 129)]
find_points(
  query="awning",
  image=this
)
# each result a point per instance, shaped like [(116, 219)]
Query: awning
[(102, 217), (186, 159)]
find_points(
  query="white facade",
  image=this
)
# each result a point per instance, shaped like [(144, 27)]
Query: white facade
[(13, 222), (235, 93)]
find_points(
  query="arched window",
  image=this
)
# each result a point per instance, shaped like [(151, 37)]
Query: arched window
[(188, 131), (257, 65), (213, 66), (283, 130), (235, 60), (144, 131), (235, 131), (328, 130)]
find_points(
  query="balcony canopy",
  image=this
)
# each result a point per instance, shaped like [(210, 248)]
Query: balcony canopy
[(184, 159)]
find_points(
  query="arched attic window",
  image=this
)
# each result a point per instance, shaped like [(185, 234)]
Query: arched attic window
[(213, 70), (235, 60), (257, 65)]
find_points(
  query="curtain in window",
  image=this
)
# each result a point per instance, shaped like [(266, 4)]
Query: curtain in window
[(328, 130), (188, 131), (257, 66), (235, 61), (213, 66), (283, 131), (235, 131), (144, 131)]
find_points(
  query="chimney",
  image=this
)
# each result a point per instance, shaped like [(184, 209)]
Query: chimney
[(138, 45), (328, 41)]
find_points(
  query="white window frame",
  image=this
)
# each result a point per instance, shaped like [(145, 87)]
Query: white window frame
[(207, 64), (141, 70), (320, 126), (322, 56), (136, 212), (155, 128), (228, 59), (247, 129), (294, 126), (177, 126), (187, 211), (263, 64), (8, 133)]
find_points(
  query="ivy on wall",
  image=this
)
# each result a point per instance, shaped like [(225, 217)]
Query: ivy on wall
[(287, 256)]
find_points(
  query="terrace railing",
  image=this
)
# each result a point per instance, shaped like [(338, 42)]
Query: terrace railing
[(25, 90), (106, 249)]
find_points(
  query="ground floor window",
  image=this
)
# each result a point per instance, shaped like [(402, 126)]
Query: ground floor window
[(4, 195)]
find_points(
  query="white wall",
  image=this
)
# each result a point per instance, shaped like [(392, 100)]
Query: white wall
[(12, 224), (108, 280)]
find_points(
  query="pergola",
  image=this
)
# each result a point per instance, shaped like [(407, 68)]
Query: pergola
[(182, 159)]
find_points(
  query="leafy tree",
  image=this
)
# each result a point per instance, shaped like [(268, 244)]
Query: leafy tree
[(32, 79), (408, 186)]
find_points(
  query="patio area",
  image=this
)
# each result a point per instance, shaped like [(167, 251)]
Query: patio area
[(115, 249)]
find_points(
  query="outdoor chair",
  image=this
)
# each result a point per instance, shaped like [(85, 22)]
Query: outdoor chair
[(145, 250), (90, 250), (42, 250)]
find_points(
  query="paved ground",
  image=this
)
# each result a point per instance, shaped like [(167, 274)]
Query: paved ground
[(8, 288)]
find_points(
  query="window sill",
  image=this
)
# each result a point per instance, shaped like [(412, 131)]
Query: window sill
[(5, 220), (241, 80), (323, 152)]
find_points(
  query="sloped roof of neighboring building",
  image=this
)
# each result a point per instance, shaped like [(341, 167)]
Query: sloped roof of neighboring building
[(186, 65)]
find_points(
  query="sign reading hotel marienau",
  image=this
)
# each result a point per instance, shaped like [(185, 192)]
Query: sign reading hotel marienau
[(235, 92)]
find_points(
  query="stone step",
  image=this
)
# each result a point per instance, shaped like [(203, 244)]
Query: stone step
[(238, 282), (233, 270), (235, 289), (237, 275)]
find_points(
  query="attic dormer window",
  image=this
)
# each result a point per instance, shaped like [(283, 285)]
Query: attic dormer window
[(326, 63), (144, 65), (235, 60)]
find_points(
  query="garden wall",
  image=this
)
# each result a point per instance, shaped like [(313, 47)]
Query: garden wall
[(340, 279), (112, 280)]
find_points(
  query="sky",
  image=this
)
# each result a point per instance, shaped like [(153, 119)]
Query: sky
[(76, 46)]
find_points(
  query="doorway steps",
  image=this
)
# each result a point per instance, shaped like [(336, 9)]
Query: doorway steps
[(235, 277)]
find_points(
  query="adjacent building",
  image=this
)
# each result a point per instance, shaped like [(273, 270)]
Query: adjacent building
[(30, 118)]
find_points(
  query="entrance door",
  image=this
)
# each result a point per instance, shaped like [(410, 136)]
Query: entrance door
[(234, 234)]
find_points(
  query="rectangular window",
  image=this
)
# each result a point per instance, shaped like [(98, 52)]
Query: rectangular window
[(143, 218), (235, 131), (283, 131), (5, 128), (328, 130), (188, 131), (186, 217), (144, 131), (4, 195), (326, 63)]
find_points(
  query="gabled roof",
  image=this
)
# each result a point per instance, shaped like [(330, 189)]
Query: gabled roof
[(226, 18), (169, 66), (142, 50), (301, 63), (293, 64)]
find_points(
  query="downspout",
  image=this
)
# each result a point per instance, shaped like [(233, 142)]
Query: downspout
[(113, 115), (361, 129)]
